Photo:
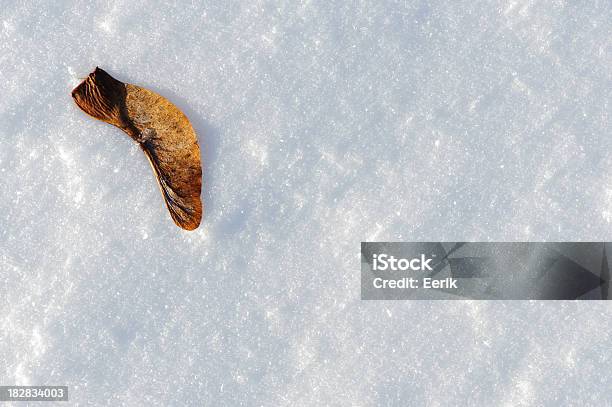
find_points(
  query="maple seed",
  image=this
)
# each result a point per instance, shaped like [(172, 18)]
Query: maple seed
[(162, 131)]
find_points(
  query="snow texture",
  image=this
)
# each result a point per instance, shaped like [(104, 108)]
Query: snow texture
[(322, 124)]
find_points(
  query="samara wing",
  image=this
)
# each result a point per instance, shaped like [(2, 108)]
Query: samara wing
[(163, 132)]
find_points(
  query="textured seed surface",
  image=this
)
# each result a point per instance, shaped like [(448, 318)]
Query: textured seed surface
[(163, 132)]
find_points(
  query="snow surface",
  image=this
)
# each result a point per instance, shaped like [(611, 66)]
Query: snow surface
[(322, 124)]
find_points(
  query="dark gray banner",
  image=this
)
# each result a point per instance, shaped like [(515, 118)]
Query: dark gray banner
[(484, 271)]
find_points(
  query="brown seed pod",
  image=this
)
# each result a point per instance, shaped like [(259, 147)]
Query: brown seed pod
[(163, 132)]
